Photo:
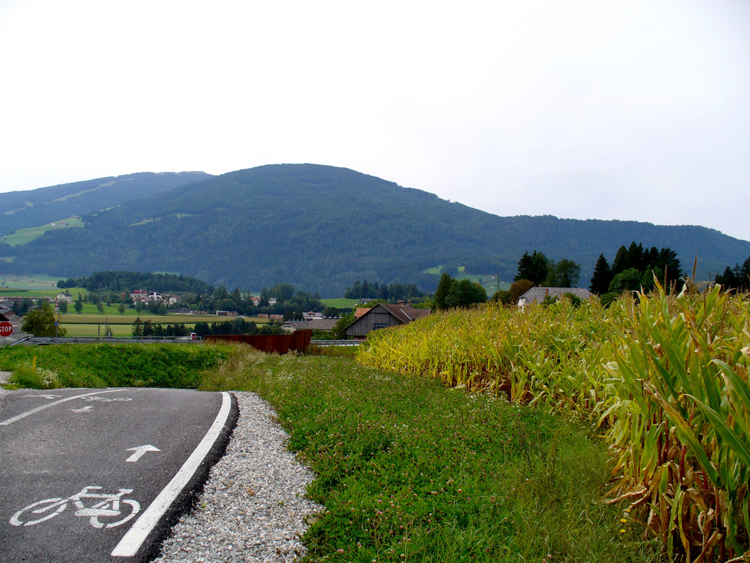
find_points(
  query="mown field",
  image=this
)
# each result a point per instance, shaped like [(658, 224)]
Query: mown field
[(663, 379), (341, 303), (407, 468), (22, 236), (89, 314), (91, 324), (118, 330), (31, 282), (90, 321), (36, 293)]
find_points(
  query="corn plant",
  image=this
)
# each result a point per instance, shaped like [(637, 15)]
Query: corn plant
[(665, 378), (680, 437)]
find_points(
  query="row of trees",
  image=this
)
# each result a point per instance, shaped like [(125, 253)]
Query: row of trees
[(634, 268), (452, 293), (287, 301), (237, 326), (121, 281), (540, 270), (735, 278), (147, 328), (391, 292)]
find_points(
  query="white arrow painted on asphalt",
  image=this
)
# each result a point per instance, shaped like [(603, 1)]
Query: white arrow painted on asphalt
[(83, 409), (140, 451)]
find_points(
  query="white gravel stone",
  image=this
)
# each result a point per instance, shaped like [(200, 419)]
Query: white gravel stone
[(253, 506)]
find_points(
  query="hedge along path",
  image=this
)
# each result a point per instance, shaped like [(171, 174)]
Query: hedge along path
[(664, 377)]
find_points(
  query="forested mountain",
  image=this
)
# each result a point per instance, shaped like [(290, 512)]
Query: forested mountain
[(322, 228), (33, 208)]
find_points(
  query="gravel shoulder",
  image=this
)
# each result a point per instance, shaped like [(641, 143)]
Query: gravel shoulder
[(253, 506)]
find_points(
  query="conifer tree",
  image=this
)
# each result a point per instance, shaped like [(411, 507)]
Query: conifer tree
[(744, 281), (670, 265), (443, 288), (534, 268), (602, 276), (619, 264)]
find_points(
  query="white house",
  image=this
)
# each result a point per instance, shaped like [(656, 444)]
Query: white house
[(145, 297)]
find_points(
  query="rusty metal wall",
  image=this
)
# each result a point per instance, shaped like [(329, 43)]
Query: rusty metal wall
[(299, 340)]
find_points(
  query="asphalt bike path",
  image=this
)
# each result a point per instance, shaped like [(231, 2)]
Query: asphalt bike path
[(101, 475)]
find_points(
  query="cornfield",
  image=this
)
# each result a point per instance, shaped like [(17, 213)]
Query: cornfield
[(664, 378)]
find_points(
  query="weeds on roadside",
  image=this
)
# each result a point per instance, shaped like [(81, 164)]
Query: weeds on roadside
[(28, 376), (333, 351), (111, 365)]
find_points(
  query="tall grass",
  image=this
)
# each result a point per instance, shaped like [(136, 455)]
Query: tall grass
[(665, 379)]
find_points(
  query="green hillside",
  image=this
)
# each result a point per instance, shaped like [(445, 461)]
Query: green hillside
[(34, 208), (22, 236), (321, 228)]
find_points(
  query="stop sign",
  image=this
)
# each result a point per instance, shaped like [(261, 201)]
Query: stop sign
[(6, 329)]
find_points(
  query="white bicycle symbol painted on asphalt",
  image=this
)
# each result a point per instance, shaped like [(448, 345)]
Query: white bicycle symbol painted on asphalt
[(108, 507)]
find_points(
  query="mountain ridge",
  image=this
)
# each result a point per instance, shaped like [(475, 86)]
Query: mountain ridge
[(321, 228)]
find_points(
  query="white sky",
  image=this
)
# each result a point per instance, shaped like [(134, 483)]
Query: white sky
[(585, 109)]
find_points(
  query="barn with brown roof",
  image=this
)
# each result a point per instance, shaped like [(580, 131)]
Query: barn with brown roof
[(384, 315)]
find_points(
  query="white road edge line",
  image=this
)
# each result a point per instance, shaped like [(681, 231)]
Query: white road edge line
[(139, 531), (48, 405)]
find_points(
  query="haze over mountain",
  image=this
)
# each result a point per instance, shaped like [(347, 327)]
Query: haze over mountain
[(321, 228)]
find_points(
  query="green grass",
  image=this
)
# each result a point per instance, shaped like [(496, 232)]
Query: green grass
[(341, 303), (116, 365), (22, 236), (90, 315), (435, 270), (118, 330), (35, 293), (409, 470), (27, 282)]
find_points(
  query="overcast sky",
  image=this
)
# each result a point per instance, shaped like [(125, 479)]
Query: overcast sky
[(583, 109)]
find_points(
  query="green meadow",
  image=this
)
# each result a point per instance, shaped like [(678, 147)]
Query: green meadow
[(341, 303), (10, 283), (22, 236)]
